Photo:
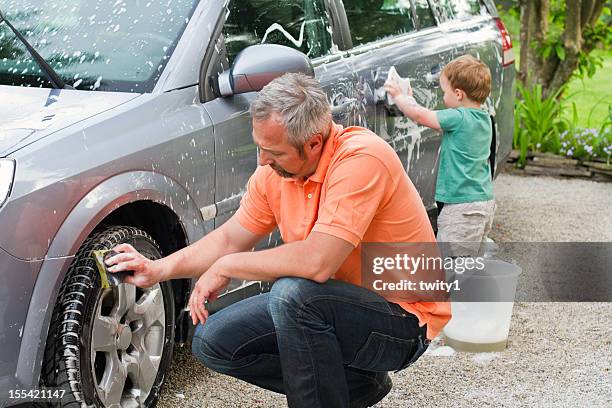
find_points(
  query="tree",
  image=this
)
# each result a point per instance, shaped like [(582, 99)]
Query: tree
[(557, 38)]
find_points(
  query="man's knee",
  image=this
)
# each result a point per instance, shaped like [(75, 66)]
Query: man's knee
[(292, 291), (206, 346), (200, 342)]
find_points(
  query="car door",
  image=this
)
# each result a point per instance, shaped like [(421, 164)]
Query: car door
[(296, 23), (300, 24), (403, 34)]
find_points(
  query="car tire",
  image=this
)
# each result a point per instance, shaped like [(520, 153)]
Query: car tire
[(109, 347)]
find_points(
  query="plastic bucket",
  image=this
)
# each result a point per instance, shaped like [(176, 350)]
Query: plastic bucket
[(482, 308)]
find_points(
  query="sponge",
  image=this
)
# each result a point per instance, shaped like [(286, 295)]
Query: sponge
[(108, 279)]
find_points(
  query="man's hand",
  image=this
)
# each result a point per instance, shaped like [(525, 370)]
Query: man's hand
[(207, 288), (146, 271)]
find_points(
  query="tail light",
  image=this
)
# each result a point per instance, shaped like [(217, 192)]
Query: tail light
[(508, 52)]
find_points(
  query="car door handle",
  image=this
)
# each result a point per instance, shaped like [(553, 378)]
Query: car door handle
[(347, 104), (433, 77)]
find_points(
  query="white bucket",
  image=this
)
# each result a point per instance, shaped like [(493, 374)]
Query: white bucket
[(483, 326)]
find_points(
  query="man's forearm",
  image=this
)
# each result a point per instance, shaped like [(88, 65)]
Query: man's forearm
[(193, 260), (294, 259)]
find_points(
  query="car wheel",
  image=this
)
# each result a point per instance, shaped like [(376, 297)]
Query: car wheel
[(109, 347)]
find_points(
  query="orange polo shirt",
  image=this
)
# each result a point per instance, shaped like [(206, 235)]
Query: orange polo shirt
[(359, 192)]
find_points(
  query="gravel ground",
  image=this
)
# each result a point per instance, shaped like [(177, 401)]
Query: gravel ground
[(551, 209), (558, 355)]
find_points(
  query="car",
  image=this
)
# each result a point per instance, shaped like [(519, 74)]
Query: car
[(128, 122)]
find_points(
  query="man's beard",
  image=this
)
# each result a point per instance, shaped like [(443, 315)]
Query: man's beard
[(282, 172)]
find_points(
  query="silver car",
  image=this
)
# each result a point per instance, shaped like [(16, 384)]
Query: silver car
[(127, 121)]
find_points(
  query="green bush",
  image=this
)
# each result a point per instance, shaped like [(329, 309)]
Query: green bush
[(538, 122)]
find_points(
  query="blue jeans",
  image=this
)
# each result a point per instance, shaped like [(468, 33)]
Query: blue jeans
[(322, 345)]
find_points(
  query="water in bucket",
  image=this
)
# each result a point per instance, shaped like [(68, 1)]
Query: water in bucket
[(482, 309)]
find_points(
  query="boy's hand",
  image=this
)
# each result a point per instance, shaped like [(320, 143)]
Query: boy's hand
[(408, 105), (394, 89), (400, 99)]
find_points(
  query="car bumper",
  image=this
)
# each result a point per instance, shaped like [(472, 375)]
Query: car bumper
[(17, 279)]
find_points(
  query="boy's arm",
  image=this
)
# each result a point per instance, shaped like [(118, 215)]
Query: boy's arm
[(409, 107), (417, 113)]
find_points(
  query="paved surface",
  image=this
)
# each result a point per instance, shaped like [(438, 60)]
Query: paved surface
[(559, 354)]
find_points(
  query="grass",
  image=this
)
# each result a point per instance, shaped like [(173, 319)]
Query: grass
[(592, 95)]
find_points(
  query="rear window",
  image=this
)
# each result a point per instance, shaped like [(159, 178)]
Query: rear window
[(459, 9), (117, 45), (372, 20)]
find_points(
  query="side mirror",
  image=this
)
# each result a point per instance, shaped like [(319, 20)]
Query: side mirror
[(257, 65)]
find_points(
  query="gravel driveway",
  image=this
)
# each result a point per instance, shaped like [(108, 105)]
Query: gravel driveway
[(559, 354)]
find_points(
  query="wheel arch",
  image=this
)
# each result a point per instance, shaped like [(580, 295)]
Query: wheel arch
[(142, 199)]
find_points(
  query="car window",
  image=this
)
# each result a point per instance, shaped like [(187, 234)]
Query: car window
[(371, 20), (424, 14), (459, 9), (119, 45), (299, 24)]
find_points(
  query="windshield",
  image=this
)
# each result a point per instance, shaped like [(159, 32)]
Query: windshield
[(106, 45)]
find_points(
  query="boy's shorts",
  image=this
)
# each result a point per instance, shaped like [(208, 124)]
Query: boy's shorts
[(466, 225)]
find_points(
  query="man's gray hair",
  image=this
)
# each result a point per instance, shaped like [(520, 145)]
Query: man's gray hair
[(300, 102)]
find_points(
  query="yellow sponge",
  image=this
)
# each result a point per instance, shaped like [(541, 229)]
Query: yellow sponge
[(99, 257)]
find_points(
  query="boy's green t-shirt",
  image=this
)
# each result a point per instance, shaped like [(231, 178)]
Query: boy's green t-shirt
[(464, 175)]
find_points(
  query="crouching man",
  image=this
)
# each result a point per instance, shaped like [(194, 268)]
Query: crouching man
[(317, 336)]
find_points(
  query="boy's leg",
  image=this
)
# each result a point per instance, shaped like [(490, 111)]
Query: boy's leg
[(491, 207), (444, 224), (464, 226), (241, 341), (324, 328)]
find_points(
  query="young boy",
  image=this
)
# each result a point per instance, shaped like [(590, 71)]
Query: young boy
[(464, 190)]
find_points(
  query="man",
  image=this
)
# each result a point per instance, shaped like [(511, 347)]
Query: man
[(322, 342)]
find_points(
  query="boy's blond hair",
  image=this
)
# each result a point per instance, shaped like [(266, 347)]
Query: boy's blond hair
[(471, 76)]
